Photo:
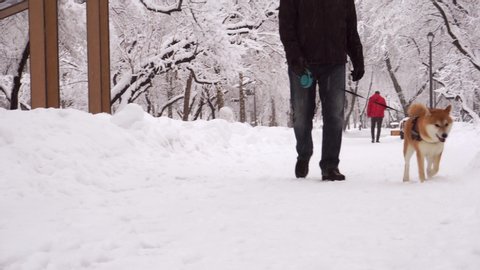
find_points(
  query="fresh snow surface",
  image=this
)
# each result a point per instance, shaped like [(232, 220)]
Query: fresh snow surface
[(133, 192)]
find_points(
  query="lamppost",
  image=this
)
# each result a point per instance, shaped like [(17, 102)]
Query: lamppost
[(430, 37)]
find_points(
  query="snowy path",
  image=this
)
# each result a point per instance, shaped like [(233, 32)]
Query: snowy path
[(140, 193)]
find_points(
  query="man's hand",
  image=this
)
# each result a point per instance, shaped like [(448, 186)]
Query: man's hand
[(358, 73), (299, 66)]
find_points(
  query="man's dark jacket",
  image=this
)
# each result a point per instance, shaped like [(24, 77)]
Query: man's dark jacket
[(320, 31)]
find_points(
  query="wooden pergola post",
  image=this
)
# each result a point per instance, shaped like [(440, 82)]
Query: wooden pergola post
[(44, 58), (98, 56), (45, 89)]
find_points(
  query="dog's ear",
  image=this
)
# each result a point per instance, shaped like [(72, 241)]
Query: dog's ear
[(448, 109)]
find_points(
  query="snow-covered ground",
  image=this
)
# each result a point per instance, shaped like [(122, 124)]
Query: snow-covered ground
[(130, 192)]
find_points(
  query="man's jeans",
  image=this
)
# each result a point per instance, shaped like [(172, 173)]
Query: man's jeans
[(376, 121), (331, 84)]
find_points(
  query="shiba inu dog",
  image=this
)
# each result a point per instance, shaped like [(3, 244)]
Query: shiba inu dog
[(425, 133)]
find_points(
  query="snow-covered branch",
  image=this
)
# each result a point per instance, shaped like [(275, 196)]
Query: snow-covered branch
[(455, 35), (174, 53), (170, 103), (467, 109), (243, 27), (168, 9), (4, 91), (202, 81)]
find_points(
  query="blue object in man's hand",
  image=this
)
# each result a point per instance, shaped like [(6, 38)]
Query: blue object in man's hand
[(306, 79)]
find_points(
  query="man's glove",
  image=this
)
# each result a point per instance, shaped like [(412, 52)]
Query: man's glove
[(358, 73), (299, 66)]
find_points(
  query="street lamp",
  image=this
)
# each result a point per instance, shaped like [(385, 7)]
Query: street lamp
[(430, 37)]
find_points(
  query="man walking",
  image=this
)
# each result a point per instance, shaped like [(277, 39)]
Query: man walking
[(376, 110), (317, 36)]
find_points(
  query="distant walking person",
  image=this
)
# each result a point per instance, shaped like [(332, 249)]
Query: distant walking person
[(375, 110)]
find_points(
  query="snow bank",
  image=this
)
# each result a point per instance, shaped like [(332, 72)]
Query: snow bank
[(47, 145), (226, 113), (128, 116), (129, 191)]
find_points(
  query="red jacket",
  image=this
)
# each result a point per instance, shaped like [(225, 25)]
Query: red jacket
[(375, 108)]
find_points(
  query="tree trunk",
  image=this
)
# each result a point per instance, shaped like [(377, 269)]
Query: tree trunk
[(199, 110), (242, 100), (255, 117), (150, 108), (290, 117), (396, 84), (170, 91), (476, 101), (220, 97), (358, 117), (17, 80), (186, 100), (273, 118), (362, 113), (209, 101), (353, 100)]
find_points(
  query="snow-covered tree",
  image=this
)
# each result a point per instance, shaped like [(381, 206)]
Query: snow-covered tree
[(183, 58), (14, 53)]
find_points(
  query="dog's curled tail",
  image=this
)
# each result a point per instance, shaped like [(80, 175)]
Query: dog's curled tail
[(417, 110)]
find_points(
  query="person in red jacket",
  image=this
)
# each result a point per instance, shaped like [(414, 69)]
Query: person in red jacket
[(375, 110)]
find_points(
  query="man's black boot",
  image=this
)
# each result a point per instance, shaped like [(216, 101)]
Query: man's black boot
[(332, 175), (301, 168)]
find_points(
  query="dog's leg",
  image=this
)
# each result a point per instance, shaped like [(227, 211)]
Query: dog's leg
[(407, 154), (421, 165), (436, 164), (430, 170)]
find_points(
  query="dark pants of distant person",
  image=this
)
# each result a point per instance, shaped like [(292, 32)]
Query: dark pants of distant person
[(376, 121), (330, 79)]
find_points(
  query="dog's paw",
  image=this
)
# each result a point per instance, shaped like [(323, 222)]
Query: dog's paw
[(432, 173)]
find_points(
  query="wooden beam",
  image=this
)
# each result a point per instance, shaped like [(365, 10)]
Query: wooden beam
[(98, 56), (13, 9), (43, 20)]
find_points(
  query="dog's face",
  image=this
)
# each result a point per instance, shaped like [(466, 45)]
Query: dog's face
[(439, 123)]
